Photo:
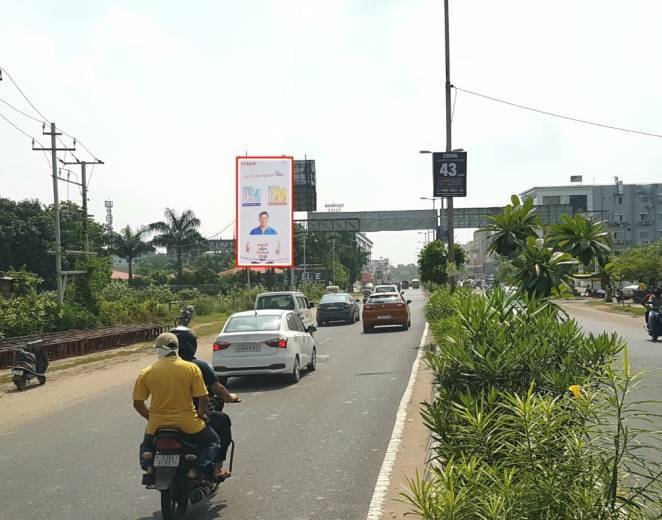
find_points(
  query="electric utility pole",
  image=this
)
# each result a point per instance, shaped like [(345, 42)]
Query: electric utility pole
[(449, 148), (56, 205), (83, 185)]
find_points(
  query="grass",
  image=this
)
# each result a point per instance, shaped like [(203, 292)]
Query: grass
[(628, 308), (208, 324)]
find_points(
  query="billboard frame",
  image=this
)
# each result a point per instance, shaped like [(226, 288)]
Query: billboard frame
[(236, 209)]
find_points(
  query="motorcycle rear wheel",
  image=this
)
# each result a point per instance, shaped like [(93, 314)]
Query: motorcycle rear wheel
[(173, 507), (41, 379), (19, 381)]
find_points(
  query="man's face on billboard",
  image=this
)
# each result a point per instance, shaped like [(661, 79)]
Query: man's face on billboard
[(264, 220)]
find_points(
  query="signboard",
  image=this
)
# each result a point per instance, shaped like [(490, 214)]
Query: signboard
[(449, 173), (311, 274), (264, 211), (575, 178)]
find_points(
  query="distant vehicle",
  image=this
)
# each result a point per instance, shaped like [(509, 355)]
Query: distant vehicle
[(332, 289), (415, 283), (405, 284), (366, 294), (287, 300), (370, 286), (386, 288), (386, 308), (338, 307), (262, 342)]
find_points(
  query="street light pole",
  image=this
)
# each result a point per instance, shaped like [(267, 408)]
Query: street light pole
[(449, 200)]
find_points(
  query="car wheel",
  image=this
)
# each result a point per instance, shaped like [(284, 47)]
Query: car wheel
[(357, 318), (20, 383), (313, 361), (405, 326), (296, 372), (367, 329)]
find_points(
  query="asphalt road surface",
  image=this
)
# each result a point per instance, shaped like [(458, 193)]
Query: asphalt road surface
[(306, 451)]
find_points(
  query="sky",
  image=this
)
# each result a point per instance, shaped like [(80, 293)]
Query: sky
[(168, 93)]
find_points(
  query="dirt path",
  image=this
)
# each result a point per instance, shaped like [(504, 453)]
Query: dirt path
[(70, 386)]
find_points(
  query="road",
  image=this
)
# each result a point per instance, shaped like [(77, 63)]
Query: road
[(306, 451)]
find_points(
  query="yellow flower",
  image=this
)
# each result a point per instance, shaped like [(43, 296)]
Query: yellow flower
[(576, 390)]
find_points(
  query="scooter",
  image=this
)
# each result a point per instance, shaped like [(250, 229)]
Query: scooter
[(654, 323), (176, 475), (30, 361)]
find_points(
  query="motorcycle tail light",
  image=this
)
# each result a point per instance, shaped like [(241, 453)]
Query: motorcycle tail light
[(168, 443)]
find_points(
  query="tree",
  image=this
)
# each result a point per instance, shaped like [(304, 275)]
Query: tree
[(640, 263), (539, 270), (511, 229), (179, 232), (129, 245), (433, 262), (587, 241)]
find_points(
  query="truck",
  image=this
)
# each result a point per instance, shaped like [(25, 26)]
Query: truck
[(415, 283)]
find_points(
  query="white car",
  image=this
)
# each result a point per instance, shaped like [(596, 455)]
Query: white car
[(264, 342), (287, 300)]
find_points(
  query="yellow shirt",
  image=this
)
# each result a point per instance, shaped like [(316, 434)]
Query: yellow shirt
[(172, 383)]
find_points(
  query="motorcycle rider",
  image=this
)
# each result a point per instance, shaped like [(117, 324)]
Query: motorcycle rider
[(220, 422), (654, 299), (172, 384)]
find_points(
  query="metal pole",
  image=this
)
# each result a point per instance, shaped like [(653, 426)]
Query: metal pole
[(333, 252), (448, 130), (305, 278), (433, 232), (56, 210), (86, 238), (248, 277)]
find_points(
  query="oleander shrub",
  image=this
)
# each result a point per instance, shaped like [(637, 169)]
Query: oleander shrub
[(510, 440)]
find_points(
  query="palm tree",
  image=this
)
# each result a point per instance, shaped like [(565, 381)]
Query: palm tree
[(179, 232), (513, 227), (129, 245), (587, 241), (538, 270)]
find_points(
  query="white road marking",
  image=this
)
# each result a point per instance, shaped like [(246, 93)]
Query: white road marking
[(384, 477)]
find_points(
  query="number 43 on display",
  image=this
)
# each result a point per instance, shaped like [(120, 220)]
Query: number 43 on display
[(448, 169)]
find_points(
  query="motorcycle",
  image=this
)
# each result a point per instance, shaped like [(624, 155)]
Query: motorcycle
[(185, 316), (30, 361), (654, 323), (176, 474)]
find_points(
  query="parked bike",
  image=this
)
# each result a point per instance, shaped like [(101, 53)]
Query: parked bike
[(30, 361)]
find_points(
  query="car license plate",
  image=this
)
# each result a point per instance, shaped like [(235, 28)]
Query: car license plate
[(17, 372), (385, 317), (247, 348), (166, 461)]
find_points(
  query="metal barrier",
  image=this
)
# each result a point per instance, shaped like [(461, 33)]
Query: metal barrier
[(60, 345)]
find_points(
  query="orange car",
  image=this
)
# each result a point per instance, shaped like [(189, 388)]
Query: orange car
[(386, 309)]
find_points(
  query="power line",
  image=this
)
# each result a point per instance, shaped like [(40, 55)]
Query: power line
[(20, 111), (560, 116), (23, 94)]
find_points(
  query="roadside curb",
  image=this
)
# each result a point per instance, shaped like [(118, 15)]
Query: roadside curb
[(386, 490)]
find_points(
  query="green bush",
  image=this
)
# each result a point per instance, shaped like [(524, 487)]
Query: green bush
[(510, 440)]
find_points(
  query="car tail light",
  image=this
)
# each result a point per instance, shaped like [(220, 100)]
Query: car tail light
[(220, 345), (279, 343), (367, 306), (168, 443), (400, 304)]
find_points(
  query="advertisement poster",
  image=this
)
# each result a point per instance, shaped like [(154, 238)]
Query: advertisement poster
[(264, 211)]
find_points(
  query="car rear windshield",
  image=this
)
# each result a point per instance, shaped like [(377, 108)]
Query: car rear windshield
[(255, 323), (277, 301), (390, 288), (384, 298), (333, 298)]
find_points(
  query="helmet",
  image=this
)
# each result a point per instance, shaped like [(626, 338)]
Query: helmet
[(188, 342)]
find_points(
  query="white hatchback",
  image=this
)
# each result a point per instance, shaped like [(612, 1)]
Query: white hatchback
[(264, 342)]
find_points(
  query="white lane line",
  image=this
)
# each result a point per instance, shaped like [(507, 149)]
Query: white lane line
[(384, 478)]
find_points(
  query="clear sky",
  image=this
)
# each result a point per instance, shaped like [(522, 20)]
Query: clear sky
[(167, 93)]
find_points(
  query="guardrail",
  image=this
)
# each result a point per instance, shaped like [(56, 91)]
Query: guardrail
[(60, 345)]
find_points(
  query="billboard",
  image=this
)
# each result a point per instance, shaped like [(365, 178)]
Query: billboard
[(264, 211)]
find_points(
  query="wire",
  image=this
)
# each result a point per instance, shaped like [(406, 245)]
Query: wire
[(560, 116), (23, 94), (28, 136), (89, 179), (453, 110), (20, 111), (221, 231), (78, 141)]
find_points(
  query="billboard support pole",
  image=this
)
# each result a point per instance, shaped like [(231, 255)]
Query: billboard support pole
[(449, 204), (248, 277)]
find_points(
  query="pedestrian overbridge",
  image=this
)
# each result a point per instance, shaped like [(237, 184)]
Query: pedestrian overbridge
[(422, 219)]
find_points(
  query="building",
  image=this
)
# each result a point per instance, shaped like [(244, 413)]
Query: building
[(633, 212), (479, 260), (365, 246)]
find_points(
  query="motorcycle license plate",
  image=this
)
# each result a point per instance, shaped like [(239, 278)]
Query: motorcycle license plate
[(166, 461), (17, 372), (385, 317)]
